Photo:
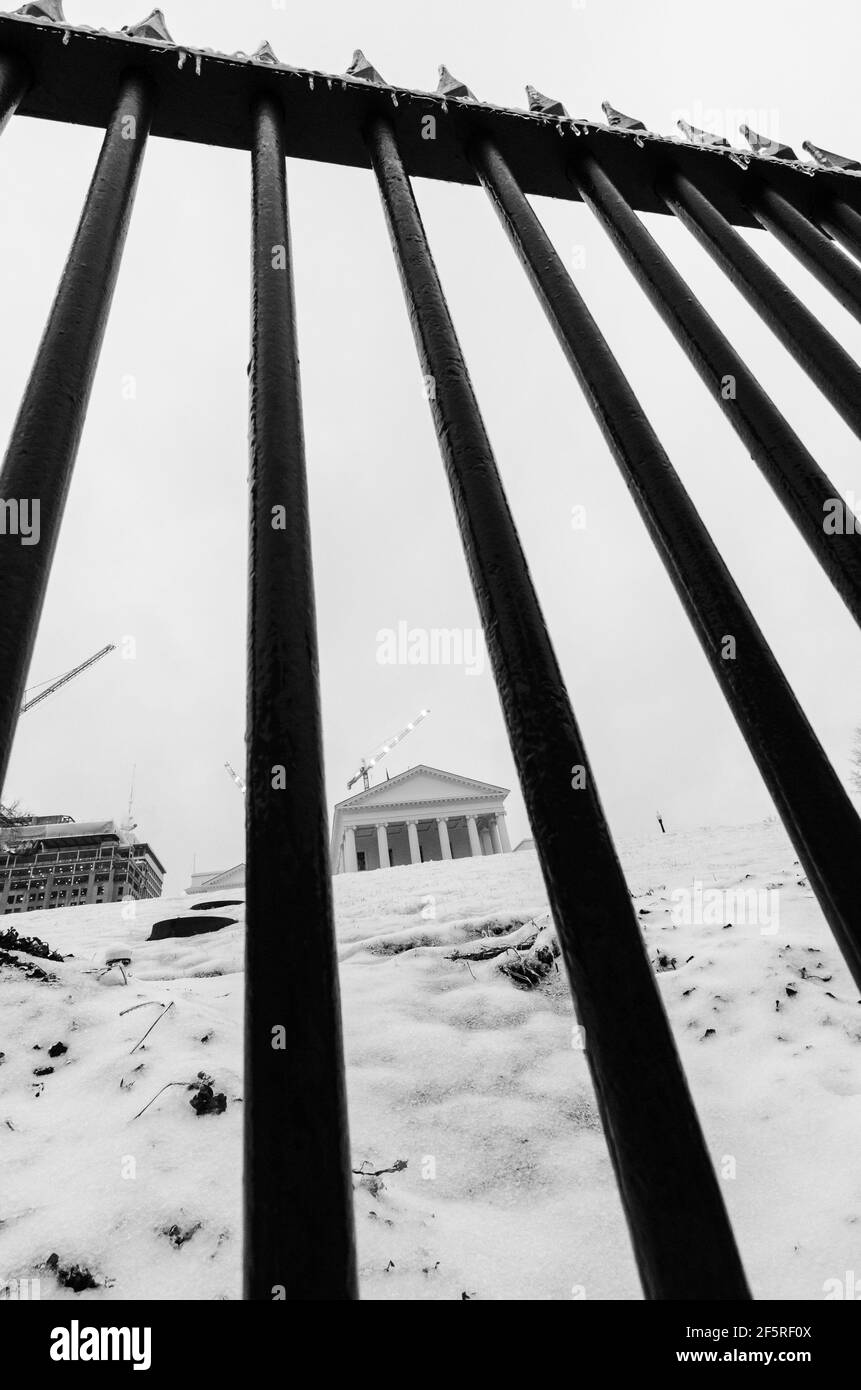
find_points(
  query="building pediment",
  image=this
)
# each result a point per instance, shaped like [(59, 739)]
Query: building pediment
[(225, 878), (422, 784)]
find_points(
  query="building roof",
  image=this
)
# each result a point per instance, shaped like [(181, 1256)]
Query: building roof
[(66, 830), (380, 794), (56, 833), (208, 882)]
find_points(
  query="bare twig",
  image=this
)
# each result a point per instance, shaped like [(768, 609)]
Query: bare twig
[(145, 1005), (165, 1008), (156, 1096)]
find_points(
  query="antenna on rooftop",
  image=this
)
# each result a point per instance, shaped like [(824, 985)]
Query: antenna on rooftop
[(130, 824)]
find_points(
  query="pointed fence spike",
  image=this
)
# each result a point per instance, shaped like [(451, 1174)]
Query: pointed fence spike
[(450, 86), (153, 27), (364, 71), (703, 137), (44, 9), (618, 120), (761, 144), (265, 53), (545, 106), (828, 160)]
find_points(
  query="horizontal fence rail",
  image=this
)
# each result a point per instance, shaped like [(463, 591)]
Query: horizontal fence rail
[(298, 1218), (206, 97)]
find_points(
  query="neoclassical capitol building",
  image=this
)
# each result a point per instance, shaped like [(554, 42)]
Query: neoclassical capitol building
[(421, 814)]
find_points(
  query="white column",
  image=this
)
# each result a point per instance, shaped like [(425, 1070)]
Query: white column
[(474, 842), (351, 863), (383, 846), (444, 841), (495, 839), (413, 834), (503, 832), (486, 843)]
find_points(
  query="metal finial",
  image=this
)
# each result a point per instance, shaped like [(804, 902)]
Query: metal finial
[(153, 27), (829, 160), (544, 106), (452, 86), (760, 144), (265, 53), (44, 9), (363, 70), (618, 120), (703, 137)]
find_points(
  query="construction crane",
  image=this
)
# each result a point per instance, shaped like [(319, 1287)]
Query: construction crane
[(377, 756), (63, 680), (237, 779)]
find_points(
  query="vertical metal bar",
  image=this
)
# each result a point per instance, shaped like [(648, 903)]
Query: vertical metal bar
[(812, 346), (801, 485), (682, 1239), (299, 1237), (809, 245), (38, 465), (842, 223), (814, 807), (14, 81)]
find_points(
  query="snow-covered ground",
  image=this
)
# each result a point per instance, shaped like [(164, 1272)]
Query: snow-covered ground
[(472, 1081)]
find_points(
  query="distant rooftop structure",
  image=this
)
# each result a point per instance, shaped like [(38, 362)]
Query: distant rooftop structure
[(212, 880), (56, 861), (37, 820)]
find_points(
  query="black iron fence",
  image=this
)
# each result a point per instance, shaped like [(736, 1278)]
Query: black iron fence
[(299, 1239)]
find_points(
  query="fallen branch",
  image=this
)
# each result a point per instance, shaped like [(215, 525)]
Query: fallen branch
[(488, 947), (530, 968), (397, 1167)]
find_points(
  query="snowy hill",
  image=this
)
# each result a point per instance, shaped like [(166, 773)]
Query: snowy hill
[(462, 1068)]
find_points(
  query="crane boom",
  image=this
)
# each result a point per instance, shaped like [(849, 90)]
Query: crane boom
[(63, 680), (384, 748), (237, 779)]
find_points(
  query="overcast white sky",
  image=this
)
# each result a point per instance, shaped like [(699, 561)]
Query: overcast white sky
[(154, 539)]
